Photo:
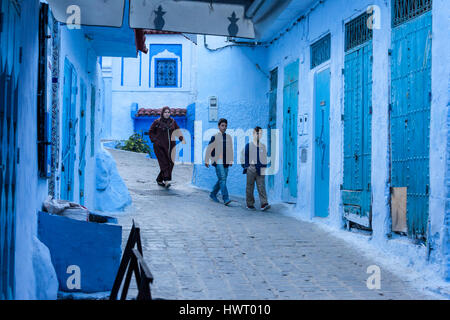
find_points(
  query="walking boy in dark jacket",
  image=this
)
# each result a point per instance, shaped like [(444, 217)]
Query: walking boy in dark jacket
[(220, 153), (254, 162)]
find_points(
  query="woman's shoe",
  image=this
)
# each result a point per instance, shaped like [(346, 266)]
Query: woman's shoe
[(160, 184), (167, 184)]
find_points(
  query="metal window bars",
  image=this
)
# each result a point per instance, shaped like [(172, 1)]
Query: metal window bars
[(321, 51), (357, 32), (405, 10)]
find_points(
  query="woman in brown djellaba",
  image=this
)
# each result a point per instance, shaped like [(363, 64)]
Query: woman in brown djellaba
[(163, 133)]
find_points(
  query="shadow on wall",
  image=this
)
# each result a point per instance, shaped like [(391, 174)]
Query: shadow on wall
[(111, 192)]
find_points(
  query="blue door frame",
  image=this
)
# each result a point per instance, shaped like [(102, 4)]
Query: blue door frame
[(272, 118), (410, 117), (83, 141), (322, 143), (92, 120), (290, 111), (9, 155), (69, 131)]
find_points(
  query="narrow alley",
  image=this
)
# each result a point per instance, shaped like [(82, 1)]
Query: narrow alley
[(338, 111), (198, 249)]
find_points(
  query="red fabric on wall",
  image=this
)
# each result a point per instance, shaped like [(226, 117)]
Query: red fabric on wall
[(139, 35)]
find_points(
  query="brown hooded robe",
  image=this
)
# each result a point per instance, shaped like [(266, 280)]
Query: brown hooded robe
[(163, 138)]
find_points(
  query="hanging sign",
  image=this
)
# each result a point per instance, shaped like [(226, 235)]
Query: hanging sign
[(191, 17), (104, 13)]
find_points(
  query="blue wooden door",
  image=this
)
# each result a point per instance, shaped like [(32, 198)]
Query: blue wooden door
[(410, 110), (9, 153), (290, 111), (356, 193), (83, 140), (272, 118), (92, 120), (69, 131), (322, 143)]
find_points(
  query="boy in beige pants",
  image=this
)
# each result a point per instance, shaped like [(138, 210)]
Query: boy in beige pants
[(254, 162)]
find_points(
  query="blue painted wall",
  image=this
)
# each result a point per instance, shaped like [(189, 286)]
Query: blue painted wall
[(35, 274), (93, 247), (446, 232), (33, 270), (240, 84), (190, 126), (233, 76), (137, 84), (156, 48)]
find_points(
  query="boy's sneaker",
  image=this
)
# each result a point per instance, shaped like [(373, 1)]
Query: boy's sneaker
[(167, 184), (265, 207), (227, 202), (213, 198), (160, 184), (251, 208)]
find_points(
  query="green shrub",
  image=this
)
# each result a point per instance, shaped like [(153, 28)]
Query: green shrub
[(135, 143)]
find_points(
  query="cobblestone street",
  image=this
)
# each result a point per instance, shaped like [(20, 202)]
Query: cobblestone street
[(198, 249)]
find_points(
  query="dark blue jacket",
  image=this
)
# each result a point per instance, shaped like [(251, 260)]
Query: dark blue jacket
[(220, 147), (261, 157)]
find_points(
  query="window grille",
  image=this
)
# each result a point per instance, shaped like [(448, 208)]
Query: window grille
[(166, 73), (357, 32), (320, 51), (405, 10)]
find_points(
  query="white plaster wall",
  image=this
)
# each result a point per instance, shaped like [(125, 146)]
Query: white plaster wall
[(144, 95)]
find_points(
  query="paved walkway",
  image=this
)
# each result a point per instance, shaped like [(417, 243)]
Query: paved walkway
[(198, 249)]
